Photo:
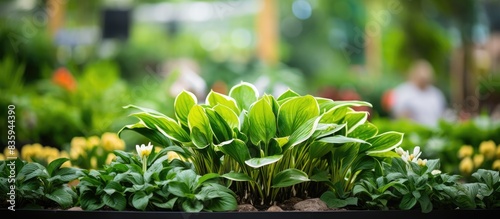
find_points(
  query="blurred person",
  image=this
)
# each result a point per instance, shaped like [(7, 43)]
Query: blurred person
[(189, 78), (418, 99)]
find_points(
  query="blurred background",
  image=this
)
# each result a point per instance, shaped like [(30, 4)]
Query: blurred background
[(70, 66)]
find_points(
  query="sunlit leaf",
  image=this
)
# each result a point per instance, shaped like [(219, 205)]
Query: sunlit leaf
[(183, 103), (245, 94)]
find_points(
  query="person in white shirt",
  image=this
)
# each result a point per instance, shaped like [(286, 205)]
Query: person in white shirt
[(418, 99)]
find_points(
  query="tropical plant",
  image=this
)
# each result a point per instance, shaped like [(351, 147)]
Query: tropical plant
[(268, 145)]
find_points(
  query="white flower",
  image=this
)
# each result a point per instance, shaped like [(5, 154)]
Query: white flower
[(414, 157), (400, 151), (143, 150), (436, 172)]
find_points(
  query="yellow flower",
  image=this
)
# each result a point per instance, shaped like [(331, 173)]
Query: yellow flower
[(7, 153), (496, 165), (498, 152), (78, 142), (2, 157), (143, 150), (478, 160), (421, 162), (110, 158), (110, 141), (487, 148), (93, 162), (465, 151), (172, 155), (74, 153), (466, 166), (92, 142), (30, 151)]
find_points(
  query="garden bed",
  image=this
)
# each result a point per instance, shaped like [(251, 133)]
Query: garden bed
[(338, 214)]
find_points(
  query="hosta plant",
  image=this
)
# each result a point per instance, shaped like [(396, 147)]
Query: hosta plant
[(36, 185), (271, 148), (150, 181), (408, 182)]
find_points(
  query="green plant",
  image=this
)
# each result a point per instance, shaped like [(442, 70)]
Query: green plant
[(407, 182), (489, 193), (268, 145), (33, 185), (149, 181)]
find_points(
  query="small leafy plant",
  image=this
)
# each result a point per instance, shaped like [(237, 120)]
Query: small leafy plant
[(149, 181), (37, 185), (408, 182)]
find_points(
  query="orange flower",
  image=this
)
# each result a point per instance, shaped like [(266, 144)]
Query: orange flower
[(63, 78)]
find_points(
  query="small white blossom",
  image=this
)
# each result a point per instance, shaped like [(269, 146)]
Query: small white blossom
[(143, 150), (436, 172), (414, 157)]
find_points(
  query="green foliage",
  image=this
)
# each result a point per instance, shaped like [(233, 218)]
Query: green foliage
[(408, 185), (164, 185), (270, 146), (37, 186)]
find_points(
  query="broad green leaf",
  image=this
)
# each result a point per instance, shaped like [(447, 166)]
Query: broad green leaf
[(61, 197), (207, 177), (240, 177), (221, 130), (295, 112), (235, 149), (274, 104), (89, 201), (56, 164), (332, 201), (199, 125), (262, 122), (263, 161), (355, 119), (183, 103), (364, 131), (179, 189), (112, 187), (31, 170), (287, 94), (346, 103), (144, 109), (275, 147), (229, 116), (140, 200), (408, 202), (302, 133), (334, 116), (166, 125), (319, 149), (340, 139), (152, 134), (166, 205), (245, 94), (324, 130), (115, 201), (218, 198), (189, 205), (289, 177), (425, 203), (384, 142), (214, 98)]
